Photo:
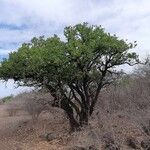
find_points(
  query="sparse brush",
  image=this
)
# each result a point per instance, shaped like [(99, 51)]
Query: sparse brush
[(36, 103), (7, 99)]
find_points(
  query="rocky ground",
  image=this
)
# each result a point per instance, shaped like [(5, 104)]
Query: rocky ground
[(51, 132)]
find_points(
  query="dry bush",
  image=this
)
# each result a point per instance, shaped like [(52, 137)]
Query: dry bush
[(36, 103), (131, 97), (32, 103), (12, 109), (13, 105)]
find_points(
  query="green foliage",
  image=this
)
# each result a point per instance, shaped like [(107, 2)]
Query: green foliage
[(74, 69), (6, 99), (50, 58)]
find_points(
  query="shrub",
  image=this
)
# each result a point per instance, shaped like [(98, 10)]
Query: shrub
[(7, 99), (12, 109), (36, 102)]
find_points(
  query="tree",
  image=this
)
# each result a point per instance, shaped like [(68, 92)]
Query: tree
[(142, 72), (74, 70)]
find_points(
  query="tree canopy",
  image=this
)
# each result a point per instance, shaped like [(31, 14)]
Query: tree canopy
[(74, 70)]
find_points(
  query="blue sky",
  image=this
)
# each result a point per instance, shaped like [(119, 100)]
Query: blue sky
[(20, 20)]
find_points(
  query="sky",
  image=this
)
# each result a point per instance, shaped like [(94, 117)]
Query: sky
[(10, 88), (20, 20)]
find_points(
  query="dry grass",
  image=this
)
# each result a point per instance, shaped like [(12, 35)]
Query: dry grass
[(121, 113)]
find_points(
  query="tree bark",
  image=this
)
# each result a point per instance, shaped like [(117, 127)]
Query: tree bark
[(84, 118), (74, 124)]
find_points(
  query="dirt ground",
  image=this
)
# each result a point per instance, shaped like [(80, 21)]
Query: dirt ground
[(19, 132)]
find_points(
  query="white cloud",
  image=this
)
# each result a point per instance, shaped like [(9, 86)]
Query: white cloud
[(128, 19), (4, 51), (8, 88)]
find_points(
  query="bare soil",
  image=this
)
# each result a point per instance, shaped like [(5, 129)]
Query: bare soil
[(19, 132)]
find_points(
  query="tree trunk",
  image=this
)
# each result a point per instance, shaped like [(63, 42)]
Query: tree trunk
[(74, 124), (84, 117)]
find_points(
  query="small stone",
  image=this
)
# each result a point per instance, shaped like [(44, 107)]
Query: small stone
[(133, 143), (92, 147), (77, 148), (110, 143), (112, 147), (48, 136), (145, 144), (107, 138)]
